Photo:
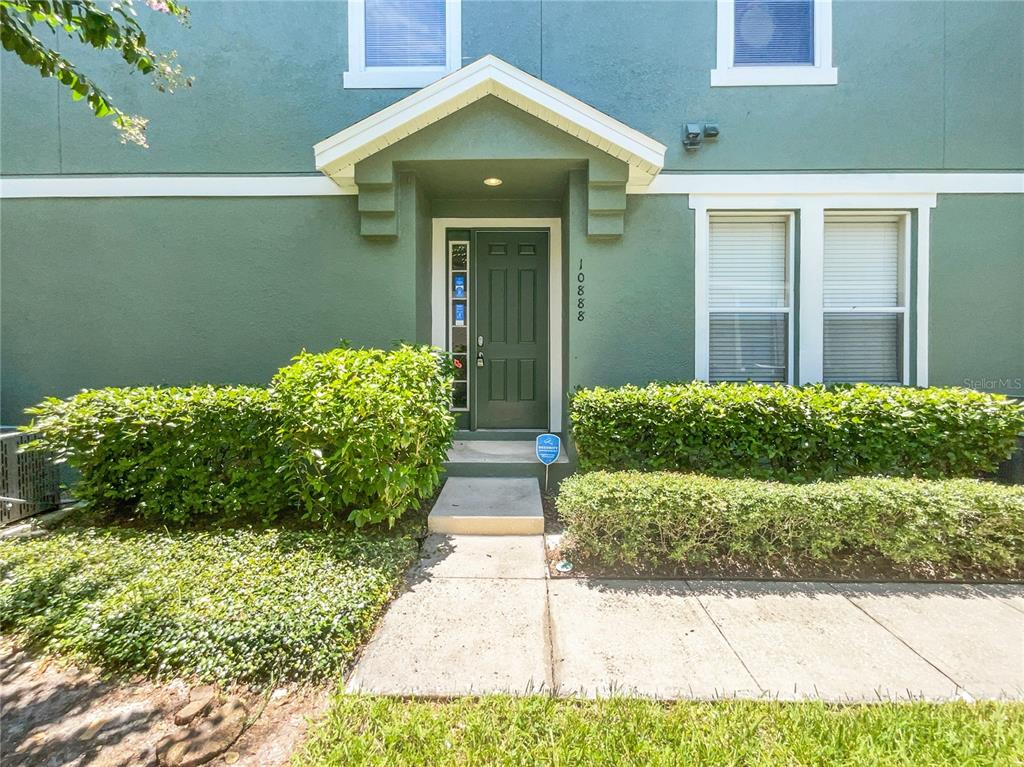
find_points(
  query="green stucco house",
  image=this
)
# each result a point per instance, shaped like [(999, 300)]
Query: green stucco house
[(560, 193)]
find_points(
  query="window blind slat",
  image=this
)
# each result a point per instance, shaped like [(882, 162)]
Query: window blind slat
[(405, 33), (748, 347), (863, 347), (747, 264), (774, 32), (862, 263)]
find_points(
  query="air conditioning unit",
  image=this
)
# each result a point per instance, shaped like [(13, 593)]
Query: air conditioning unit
[(28, 481)]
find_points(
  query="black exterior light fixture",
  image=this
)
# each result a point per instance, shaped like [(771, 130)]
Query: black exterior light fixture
[(695, 133)]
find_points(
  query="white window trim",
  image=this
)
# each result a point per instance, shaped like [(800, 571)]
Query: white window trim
[(811, 209), (902, 217), (821, 73), (361, 76), (787, 217)]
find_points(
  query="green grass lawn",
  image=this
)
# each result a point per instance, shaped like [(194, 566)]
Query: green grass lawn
[(498, 730), (230, 605)]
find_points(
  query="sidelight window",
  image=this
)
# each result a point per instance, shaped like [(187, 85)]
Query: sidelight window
[(458, 320)]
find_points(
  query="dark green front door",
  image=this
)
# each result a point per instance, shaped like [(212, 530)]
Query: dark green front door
[(511, 329)]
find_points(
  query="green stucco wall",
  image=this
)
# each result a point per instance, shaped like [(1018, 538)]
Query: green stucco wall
[(98, 292), (638, 291), (226, 290), (173, 291), (976, 328), (922, 85)]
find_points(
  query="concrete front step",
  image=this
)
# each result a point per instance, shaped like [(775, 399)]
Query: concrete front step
[(498, 458), (488, 506), (498, 435)]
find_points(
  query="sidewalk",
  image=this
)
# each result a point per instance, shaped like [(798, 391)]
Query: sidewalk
[(480, 615)]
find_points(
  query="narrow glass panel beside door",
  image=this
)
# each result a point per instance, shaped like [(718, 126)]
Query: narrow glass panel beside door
[(458, 321)]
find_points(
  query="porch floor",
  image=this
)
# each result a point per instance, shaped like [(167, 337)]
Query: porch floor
[(496, 451)]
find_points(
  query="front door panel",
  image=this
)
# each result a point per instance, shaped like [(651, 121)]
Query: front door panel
[(512, 321)]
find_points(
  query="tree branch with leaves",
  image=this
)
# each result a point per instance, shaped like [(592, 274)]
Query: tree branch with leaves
[(116, 28)]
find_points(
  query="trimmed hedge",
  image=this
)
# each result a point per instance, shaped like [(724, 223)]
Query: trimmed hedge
[(169, 454), (663, 519), (357, 432), (794, 433), (367, 430)]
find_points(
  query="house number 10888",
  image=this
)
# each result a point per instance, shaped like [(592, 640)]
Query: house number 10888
[(580, 291)]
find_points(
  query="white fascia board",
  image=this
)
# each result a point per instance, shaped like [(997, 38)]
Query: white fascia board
[(827, 200), (490, 76), (168, 186), (836, 183), (727, 190)]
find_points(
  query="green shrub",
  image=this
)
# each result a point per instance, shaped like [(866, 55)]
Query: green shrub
[(364, 432), (170, 454), (232, 605), (661, 519), (367, 431), (794, 433)]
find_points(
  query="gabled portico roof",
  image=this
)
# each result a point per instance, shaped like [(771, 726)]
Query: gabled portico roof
[(490, 76)]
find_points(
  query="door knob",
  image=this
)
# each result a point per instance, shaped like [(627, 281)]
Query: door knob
[(479, 359)]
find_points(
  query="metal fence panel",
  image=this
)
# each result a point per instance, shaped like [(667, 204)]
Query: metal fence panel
[(28, 481)]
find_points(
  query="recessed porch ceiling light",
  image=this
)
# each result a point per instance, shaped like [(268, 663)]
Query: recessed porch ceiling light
[(492, 181)]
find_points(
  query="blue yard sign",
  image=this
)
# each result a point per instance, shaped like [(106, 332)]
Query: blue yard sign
[(548, 448)]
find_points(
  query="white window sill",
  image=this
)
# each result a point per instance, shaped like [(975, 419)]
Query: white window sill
[(394, 77), (738, 76)]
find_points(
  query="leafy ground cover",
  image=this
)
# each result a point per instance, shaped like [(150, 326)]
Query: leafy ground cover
[(248, 605), (622, 732)]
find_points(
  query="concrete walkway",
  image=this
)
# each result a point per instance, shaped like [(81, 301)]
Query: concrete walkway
[(480, 615)]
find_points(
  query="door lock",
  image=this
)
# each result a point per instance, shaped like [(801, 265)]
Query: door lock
[(479, 359), (479, 340)]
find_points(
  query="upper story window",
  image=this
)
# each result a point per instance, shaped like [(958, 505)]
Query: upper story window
[(402, 43), (774, 42)]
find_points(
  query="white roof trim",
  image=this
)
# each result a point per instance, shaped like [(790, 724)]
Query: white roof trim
[(490, 76), (722, 187)]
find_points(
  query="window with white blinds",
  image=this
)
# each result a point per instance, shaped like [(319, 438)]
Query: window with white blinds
[(864, 300), (774, 32), (774, 42), (402, 43), (748, 298), (405, 33)]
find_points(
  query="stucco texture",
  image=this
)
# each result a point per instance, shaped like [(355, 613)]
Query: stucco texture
[(638, 293), (922, 85), (976, 328), (175, 291)]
